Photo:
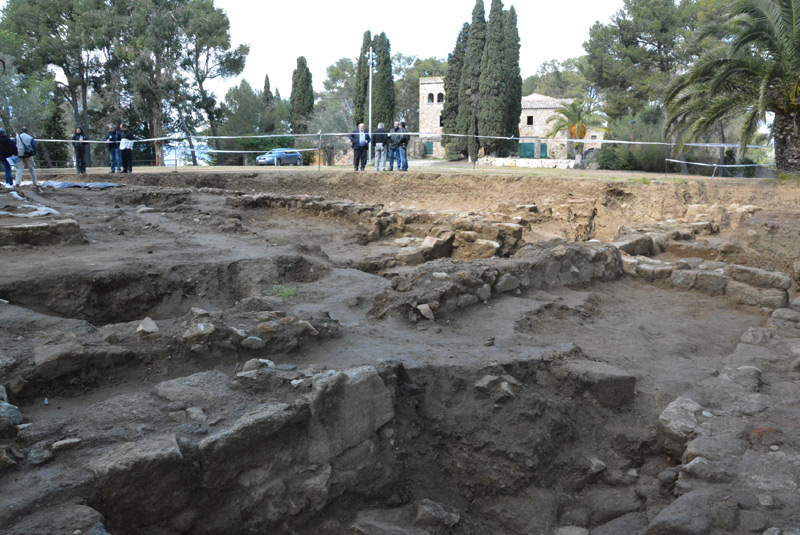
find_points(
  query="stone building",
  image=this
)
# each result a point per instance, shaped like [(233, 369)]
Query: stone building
[(536, 109), (431, 103)]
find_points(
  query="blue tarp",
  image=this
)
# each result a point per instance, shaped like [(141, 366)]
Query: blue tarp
[(89, 185)]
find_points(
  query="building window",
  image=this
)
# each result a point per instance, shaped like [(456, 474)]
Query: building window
[(441, 121), (440, 98), (530, 120), (430, 98), (594, 136)]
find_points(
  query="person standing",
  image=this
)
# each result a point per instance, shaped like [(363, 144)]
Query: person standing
[(80, 145), (26, 150), (359, 139), (112, 138), (126, 149), (395, 138), (380, 139), (404, 147), (7, 149)]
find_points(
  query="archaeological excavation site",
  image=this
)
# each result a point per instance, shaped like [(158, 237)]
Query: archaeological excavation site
[(298, 352)]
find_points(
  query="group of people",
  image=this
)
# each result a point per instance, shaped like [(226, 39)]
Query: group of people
[(19, 152), (120, 149), (393, 143)]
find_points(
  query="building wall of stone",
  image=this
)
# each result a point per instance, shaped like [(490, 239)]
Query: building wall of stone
[(430, 112)]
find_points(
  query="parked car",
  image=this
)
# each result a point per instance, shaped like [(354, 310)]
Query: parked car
[(280, 157)]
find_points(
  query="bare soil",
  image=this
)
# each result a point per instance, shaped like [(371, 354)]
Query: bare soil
[(170, 246)]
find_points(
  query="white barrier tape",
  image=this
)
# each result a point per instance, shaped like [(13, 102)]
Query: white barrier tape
[(432, 135), (196, 149), (719, 165)]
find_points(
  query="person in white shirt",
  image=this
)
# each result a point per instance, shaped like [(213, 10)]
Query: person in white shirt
[(25, 145)]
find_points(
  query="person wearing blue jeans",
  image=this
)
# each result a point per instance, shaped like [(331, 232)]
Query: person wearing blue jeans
[(113, 137), (7, 149), (395, 140), (403, 163)]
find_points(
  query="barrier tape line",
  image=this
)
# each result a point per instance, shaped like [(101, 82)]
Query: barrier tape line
[(423, 135), (720, 165)]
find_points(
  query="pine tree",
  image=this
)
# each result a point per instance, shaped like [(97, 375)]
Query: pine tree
[(469, 90), (302, 97), (362, 81), (382, 82), (452, 81), (492, 113), (514, 81), (267, 94)]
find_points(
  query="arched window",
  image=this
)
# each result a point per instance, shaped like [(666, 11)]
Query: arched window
[(440, 97), (430, 98)]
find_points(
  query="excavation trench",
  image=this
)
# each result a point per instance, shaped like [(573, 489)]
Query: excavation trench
[(107, 297), (318, 366)]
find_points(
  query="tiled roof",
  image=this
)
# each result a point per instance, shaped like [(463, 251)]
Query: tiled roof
[(535, 101)]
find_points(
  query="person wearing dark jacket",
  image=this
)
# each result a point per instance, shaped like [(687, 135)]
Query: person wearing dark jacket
[(404, 146), (112, 138), (395, 140), (126, 148), (80, 145), (380, 139), (359, 139), (7, 149)]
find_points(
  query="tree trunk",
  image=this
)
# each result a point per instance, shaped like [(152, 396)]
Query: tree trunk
[(684, 167), (156, 131), (722, 149), (189, 137), (85, 124), (786, 132), (46, 155)]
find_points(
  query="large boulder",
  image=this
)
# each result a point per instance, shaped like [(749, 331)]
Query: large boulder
[(141, 479), (610, 386), (347, 408), (679, 422)]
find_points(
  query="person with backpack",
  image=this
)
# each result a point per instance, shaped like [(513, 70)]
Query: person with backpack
[(79, 144), (26, 150), (7, 149)]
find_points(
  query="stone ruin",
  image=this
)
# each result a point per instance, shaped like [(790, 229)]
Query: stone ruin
[(233, 428)]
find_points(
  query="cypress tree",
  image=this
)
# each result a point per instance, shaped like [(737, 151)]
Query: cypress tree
[(382, 82), (361, 85), (302, 97), (452, 81), (492, 108), (469, 89), (267, 94), (514, 82)]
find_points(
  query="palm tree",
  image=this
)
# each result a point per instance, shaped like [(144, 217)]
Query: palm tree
[(575, 118), (754, 70)]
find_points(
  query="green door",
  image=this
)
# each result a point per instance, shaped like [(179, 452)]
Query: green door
[(527, 150), (428, 147), (543, 150)]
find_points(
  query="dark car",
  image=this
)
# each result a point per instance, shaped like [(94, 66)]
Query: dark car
[(280, 157)]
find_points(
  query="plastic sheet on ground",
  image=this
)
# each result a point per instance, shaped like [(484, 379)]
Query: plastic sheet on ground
[(88, 185)]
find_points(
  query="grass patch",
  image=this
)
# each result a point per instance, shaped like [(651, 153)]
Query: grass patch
[(643, 180), (285, 292)]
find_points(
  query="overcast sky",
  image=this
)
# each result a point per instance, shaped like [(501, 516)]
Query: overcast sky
[(278, 31), (324, 31)]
